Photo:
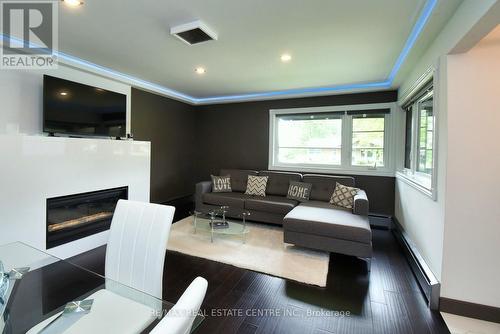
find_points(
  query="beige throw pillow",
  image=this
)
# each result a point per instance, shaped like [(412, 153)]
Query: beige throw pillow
[(343, 196), (256, 185)]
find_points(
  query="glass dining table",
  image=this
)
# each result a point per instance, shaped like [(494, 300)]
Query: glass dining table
[(40, 293)]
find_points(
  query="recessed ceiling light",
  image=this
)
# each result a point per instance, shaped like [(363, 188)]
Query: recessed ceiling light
[(286, 57), (72, 3), (200, 70), (63, 93)]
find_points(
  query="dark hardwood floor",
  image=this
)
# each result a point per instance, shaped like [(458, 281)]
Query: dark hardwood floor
[(386, 300)]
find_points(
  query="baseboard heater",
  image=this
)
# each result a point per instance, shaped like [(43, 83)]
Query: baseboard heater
[(428, 283)]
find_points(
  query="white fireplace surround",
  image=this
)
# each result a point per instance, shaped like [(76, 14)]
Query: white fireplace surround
[(34, 168)]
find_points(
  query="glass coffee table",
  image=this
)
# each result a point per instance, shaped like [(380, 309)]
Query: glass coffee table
[(215, 222)]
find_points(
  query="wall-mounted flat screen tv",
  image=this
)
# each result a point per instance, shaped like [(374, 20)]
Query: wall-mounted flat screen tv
[(76, 109)]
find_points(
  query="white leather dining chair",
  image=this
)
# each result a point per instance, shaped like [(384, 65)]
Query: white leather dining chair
[(137, 244), (135, 257), (180, 318)]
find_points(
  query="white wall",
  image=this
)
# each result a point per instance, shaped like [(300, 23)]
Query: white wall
[(422, 217), (21, 96), (466, 16), (471, 265), (458, 235), (34, 167)]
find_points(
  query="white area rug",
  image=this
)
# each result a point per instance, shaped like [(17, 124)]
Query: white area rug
[(264, 251)]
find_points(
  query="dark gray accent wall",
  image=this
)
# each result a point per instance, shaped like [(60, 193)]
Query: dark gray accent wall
[(170, 127), (381, 191), (236, 135), (188, 143)]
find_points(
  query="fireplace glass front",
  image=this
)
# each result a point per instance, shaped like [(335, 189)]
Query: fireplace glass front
[(77, 216)]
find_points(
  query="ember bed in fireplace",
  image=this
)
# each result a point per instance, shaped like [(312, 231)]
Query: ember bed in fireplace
[(77, 216)]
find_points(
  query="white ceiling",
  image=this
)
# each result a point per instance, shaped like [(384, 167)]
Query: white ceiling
[(332, 42)]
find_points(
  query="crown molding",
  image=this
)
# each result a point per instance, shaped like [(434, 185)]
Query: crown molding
[(383, 84)]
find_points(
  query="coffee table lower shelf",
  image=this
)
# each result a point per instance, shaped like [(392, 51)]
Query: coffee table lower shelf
[(206, 222)]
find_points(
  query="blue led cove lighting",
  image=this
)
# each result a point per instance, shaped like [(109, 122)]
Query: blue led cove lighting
[(298, 91), (102, 69), (386, 83), (417, 29)]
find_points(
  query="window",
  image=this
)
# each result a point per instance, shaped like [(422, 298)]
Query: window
[(347, 138), (313, 139), (368, 140), (425, 135), (408, 137), (420, 140)]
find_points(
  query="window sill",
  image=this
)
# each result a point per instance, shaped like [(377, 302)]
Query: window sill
[(422, 184), (332, 170)]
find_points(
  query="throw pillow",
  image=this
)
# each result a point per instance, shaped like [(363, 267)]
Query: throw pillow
[(256, 185), (221, 184), (299, 191), (343, 196)]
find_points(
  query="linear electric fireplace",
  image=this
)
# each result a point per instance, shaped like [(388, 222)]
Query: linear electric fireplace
[(77, 216)]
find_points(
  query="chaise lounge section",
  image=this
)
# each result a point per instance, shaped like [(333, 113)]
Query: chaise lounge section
[(317, 224)]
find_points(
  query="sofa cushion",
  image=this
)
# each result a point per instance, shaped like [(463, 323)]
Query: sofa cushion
[(324, 205), (278, 182), (239, 178), (318, 219), (233, 200), (323, 185), (272, 204)]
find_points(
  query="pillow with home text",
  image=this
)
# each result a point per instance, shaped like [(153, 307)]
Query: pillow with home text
[(299, 191)]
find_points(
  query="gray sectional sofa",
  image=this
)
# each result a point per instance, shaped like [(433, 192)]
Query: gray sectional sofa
[(315, 224)]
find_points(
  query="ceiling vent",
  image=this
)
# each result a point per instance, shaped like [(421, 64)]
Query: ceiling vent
[(193, 33)]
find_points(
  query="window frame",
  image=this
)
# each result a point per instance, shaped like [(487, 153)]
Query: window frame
[(352, 117), (419, 128), (337, 117), (424, 182), (408, 130), (346, 167)]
